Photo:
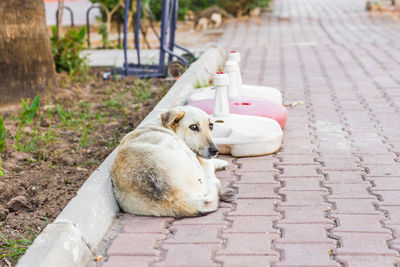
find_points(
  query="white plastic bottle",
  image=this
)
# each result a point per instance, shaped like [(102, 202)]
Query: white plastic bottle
[(221, 102), (235, 56), (266, 92), (232, 70)]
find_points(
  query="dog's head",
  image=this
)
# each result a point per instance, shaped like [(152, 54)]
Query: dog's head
[(194, 127)]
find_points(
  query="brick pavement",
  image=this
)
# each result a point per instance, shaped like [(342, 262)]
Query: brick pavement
[(331, 196)]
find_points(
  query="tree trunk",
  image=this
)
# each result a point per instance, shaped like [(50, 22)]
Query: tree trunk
[(26, 60), (60, 18), (109, 14)]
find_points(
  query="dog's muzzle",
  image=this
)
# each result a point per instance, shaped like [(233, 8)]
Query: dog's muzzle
[(213, 150)]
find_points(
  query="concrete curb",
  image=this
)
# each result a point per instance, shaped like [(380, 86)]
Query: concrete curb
[(77, 231)]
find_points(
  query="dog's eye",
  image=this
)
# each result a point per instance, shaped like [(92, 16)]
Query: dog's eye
[(194, 127), (211, 126)]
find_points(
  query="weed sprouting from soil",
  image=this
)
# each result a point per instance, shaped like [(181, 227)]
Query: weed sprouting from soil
[(3, 135), (12, 249)]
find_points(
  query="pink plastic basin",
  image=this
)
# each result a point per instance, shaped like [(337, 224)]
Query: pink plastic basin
[(248, 106)]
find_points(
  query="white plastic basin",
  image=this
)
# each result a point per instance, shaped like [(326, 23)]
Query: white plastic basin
[(246, 90), (246, 136)]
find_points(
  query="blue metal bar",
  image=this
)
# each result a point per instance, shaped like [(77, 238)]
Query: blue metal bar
[(137, 28), (186, 50), (125, 29), (171, 53), (172, 27), (71, 14), (163, 32), (88, 23)]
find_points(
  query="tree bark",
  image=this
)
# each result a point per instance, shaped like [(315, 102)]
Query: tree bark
[(109, 14), (60, 18), (26, 60)]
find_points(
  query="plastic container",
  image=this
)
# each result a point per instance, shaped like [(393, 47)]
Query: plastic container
[(236, 88), (241, 135), (246, 136), (247, 106)]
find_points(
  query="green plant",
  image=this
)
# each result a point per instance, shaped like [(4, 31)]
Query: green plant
[(14, 248), (3, 135), (84, 135), (46, 138), (112, 142), (67, 49), (241, 7), (201, 84), (141, 92), (29, 110), (114, 102), (104, 34), (99, 118), (84, 120), (65, 116), (32, 141), (27, 115)]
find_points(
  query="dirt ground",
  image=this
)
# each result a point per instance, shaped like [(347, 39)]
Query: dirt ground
[(76, 126)]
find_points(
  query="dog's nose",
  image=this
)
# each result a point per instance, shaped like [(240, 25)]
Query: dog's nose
[(213, 150)]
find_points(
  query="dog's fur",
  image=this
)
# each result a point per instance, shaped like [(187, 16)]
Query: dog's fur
[(167, 167)]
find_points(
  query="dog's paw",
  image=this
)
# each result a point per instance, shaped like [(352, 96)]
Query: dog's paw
[(227, 194), (216, 181), (220, 164)]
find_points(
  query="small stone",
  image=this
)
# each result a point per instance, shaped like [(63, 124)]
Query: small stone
[(21, 156), (68, 161), (28, 130), (11, 164), (3, 213), (44, 122), (113, 124), (19, 203)]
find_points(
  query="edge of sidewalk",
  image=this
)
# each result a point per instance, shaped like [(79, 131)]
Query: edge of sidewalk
[(77, 231)]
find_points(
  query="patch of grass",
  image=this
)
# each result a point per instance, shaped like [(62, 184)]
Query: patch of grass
[(141, 92), (14, 248), (114, 102), (26, 117), (84, 136), (201, 84), (65, 116), (88, 163), (112, 142), (3, 135)]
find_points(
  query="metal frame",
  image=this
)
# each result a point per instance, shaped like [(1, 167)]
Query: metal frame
[(169, 17), (88, 22), (71, 15)]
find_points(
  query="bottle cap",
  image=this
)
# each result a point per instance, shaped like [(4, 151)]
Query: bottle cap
[(220, 79), (234, 55)]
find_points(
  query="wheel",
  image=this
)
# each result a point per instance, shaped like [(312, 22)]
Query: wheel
[(175, 69), (189, 57)]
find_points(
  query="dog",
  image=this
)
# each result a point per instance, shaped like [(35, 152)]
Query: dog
[(167, 167), (211, 16)]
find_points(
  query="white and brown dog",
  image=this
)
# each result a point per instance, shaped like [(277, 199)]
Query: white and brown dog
[(167, 168)]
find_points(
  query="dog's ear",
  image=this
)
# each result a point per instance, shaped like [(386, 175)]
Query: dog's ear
[(171, 118)]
